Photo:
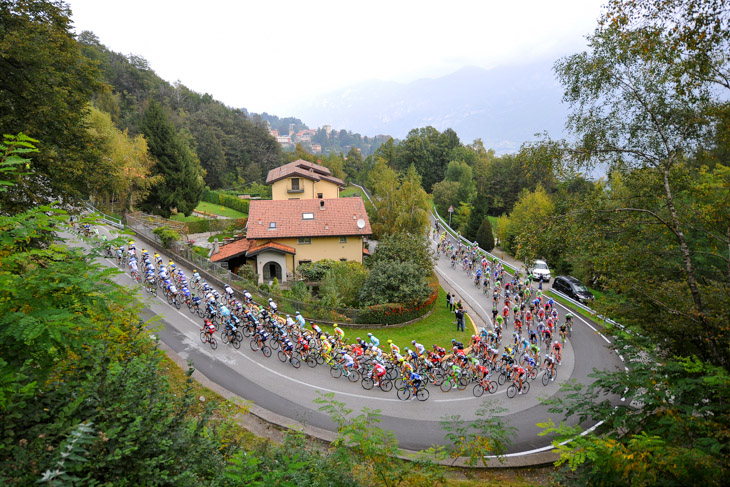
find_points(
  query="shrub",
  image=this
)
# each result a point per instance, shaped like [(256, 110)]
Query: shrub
[(393, 313), (248, 272), (342, 283), (166, 235), (395, 282), (315, 271), (230, 201)]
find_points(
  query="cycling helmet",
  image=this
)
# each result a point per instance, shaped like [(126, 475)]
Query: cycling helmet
[(453, 340), (390, 341), (406, 349), (413, 342), (357, 339), (370, 334), (547, 355)]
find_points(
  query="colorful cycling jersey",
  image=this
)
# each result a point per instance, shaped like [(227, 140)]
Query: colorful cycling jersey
[(420, 349), (394, 348), (339, 332), (415, 377), (499, 319), (520, 371), (326, 346), (374, 341), (379, 370), (407, 367)]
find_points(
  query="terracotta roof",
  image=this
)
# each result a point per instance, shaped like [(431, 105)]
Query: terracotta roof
[(270, 246), (231, 250), (338, 218), (303, 169)]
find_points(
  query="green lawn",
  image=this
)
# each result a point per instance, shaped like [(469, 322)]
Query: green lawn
[(439, 327), (352, 191), (219, 210), (185, 219)]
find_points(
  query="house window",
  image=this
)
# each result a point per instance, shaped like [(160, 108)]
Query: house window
[(307, 216), (343, 239), (304, 262), (272, 226), (304, 240), (319, 195), (295, 184)]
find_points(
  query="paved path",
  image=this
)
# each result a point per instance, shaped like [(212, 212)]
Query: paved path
[(279, 388)]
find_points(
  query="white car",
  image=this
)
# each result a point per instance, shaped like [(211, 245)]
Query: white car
[(540, 269)]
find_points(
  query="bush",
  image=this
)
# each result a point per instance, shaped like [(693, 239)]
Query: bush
[(395, 282), (208, 226), (485, 238), (393, 313), (248, 272), (404, 248), (166, 235), (230, 201), (315, 271), (342, 283)]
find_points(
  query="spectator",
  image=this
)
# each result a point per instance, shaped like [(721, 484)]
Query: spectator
[(459, 318), (448, 301)]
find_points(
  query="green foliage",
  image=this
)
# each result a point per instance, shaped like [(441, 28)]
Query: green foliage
[(70, 458), (476, 217), (461, 172), (182, 184), (401, 204), (342, 283), (404, 248), (446, 194), (248, 272), (218, 198), (315, 271), (11, 161), (485, 238), (531, 209), (359, 438), (167, 236), (395, 282), (45, 87), (461, 217), (489, 434)]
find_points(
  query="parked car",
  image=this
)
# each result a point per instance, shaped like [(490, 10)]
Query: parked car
[(540, 270), (573, 288)]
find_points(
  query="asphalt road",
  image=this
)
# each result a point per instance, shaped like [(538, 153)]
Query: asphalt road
[(290, 392)]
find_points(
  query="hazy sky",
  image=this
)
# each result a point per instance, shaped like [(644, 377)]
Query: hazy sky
[(267, 55)]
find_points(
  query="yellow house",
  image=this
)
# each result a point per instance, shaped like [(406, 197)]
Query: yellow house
[(306, 221), (301, 179)]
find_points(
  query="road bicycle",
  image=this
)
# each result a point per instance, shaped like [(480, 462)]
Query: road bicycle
[(210, 339), (228, 335), (283, 356), (512, 389), (257, 344), (405, 392), (484, 385), (337, 370), (150, 287), (451, 380), (368, 382), (549, 375)]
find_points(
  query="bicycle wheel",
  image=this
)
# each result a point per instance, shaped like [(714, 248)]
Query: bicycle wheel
[(546, 378), (392, 373), (511, 391), (267, 351), (423, 394), (224, 338), (353, 376), (462, 384), (533, 374), (236, 343), (404, 393), (247, 330), (295, 362), (399, 383), (311, 361), (336, 372), (478, 390), (213, 343), (501, 379), (281, 356), (319, 358), (178, 302), (492, 387), (202, 337), (169, 298), (367, 383), (386, 385), (239, 335), (446, 385), (525, 387), (438, 378), (254, 345), (201, 312), (275, 344)]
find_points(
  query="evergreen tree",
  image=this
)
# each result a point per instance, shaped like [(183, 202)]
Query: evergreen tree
[(485, 237), (476, 217), (182, 185)]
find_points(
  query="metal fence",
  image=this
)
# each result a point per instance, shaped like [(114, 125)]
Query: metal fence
[(456, 234), (108, 219)]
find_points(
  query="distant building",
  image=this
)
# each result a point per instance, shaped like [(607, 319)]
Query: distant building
[(316, 148), (283, 140), (327, 129), (274, 133)]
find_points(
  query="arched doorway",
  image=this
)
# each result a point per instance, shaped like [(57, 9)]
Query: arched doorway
[(272, 270)]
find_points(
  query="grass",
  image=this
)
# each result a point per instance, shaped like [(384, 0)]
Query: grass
[(570, 305), (185, 219), (202, 251), (351, 191), (439, 327), (221, 236), (219, 210)]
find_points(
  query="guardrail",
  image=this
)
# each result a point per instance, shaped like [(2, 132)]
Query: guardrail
[(115, 222), (367, 193), (456, 234)]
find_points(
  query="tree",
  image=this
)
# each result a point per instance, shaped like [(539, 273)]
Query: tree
[(182, 185), (531, 209), (485, 237), (461, 172), (45, 87), (401, 204), (476, 217), (400, 247), (445, 194), (125, 163)]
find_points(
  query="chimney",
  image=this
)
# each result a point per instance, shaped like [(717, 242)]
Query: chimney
[(215, 246), (321, 204)]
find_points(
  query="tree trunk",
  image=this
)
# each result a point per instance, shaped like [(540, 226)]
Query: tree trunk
[(689, 271)]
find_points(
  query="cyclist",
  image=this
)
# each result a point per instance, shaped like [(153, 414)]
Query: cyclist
[(535, 351), (569, 320), (520, 374), (440, 351), (261, 336), (378, 372), (415, 382), (394, 349), (348, 362), (457, 345), (290, 322), (247, 296), (196, 276), (317, 329), (326, 349), (272, 305), (209, 329), (549, 364), (133, 267), (557, 350), (420, 349), (228, 289), (300, 320), (374, 340), (339, 333)]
